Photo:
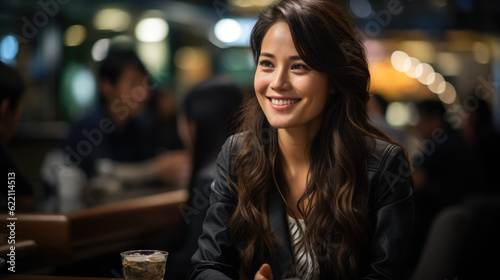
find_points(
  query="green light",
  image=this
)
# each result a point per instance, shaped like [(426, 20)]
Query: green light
[(78, 90)]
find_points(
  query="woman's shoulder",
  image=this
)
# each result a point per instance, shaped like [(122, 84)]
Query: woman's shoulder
[(390, 174), (230, 148), (383, 153), (233, 143)]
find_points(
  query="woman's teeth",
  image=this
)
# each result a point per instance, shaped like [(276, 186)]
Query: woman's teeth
[(284, 101)]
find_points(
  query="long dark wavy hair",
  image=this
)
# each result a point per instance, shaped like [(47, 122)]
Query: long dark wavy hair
[(337, 224)]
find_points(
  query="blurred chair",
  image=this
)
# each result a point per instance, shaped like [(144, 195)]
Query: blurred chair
[(463, 242)]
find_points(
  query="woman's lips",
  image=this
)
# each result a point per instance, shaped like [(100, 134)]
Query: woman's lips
[(283, 103)]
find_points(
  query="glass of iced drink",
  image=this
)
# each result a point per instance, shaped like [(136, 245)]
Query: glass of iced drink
[(144, 264)]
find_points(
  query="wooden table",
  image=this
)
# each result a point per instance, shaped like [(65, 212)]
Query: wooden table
[(62, 238), (35, 277)]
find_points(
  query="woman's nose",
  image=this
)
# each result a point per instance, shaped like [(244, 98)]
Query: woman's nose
[(280, 80)]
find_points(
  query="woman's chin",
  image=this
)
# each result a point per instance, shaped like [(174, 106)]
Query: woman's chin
[(279, 125)]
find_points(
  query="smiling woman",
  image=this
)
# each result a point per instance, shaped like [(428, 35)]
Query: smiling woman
[(290, 93), (308, 189)]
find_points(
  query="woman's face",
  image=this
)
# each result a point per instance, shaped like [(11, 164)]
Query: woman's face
[(290, 93)]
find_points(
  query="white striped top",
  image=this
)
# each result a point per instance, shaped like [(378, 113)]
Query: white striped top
[(304, 266)]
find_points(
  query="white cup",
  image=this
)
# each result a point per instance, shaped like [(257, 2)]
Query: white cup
[(70, 186)]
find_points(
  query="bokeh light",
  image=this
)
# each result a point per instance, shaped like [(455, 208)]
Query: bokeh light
[(227, 30), (400, 61), (361, 8), (411, 72), (83, 87), (187, 57), (9, 46), (449, 94), (155, 56), (438, 85), (78, 90), (231, 32), (481, 53), (113, 19), (193, 65), (425, 73), (151, 30), (75, 35), (397, 114), (100, 49)]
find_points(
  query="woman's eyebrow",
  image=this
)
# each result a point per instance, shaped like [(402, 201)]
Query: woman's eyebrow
[(267, 55), (293, 57)]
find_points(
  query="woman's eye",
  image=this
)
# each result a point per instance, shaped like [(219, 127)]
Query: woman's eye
[(266, 63), (299, 66)]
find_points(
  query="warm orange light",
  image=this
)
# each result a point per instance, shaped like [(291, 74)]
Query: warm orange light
[(388, 82)]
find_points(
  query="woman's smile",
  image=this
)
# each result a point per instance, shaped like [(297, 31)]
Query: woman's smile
[(283, 103)]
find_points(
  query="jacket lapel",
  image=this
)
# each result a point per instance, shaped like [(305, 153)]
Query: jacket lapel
[(279, 224)]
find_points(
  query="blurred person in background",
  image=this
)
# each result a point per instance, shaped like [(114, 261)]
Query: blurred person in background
[(485, 141), (12, 88), (445, 170), (377, 107), (163, 107), (121, 130), (447, 167), (205, 122)]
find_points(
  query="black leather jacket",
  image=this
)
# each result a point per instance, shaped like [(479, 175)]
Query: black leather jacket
[(391, 217)]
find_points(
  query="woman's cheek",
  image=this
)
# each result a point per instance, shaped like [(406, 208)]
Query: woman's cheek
[(261, 81)]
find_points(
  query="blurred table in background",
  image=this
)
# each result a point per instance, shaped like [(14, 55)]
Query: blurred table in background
[(119, 222)]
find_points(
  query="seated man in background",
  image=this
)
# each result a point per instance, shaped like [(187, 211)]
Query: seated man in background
[(11, 89), (118, 137)]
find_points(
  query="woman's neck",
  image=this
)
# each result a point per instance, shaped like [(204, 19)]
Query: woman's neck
[(295, 145)]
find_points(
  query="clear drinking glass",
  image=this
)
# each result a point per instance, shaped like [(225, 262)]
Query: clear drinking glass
[(144, 264)]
